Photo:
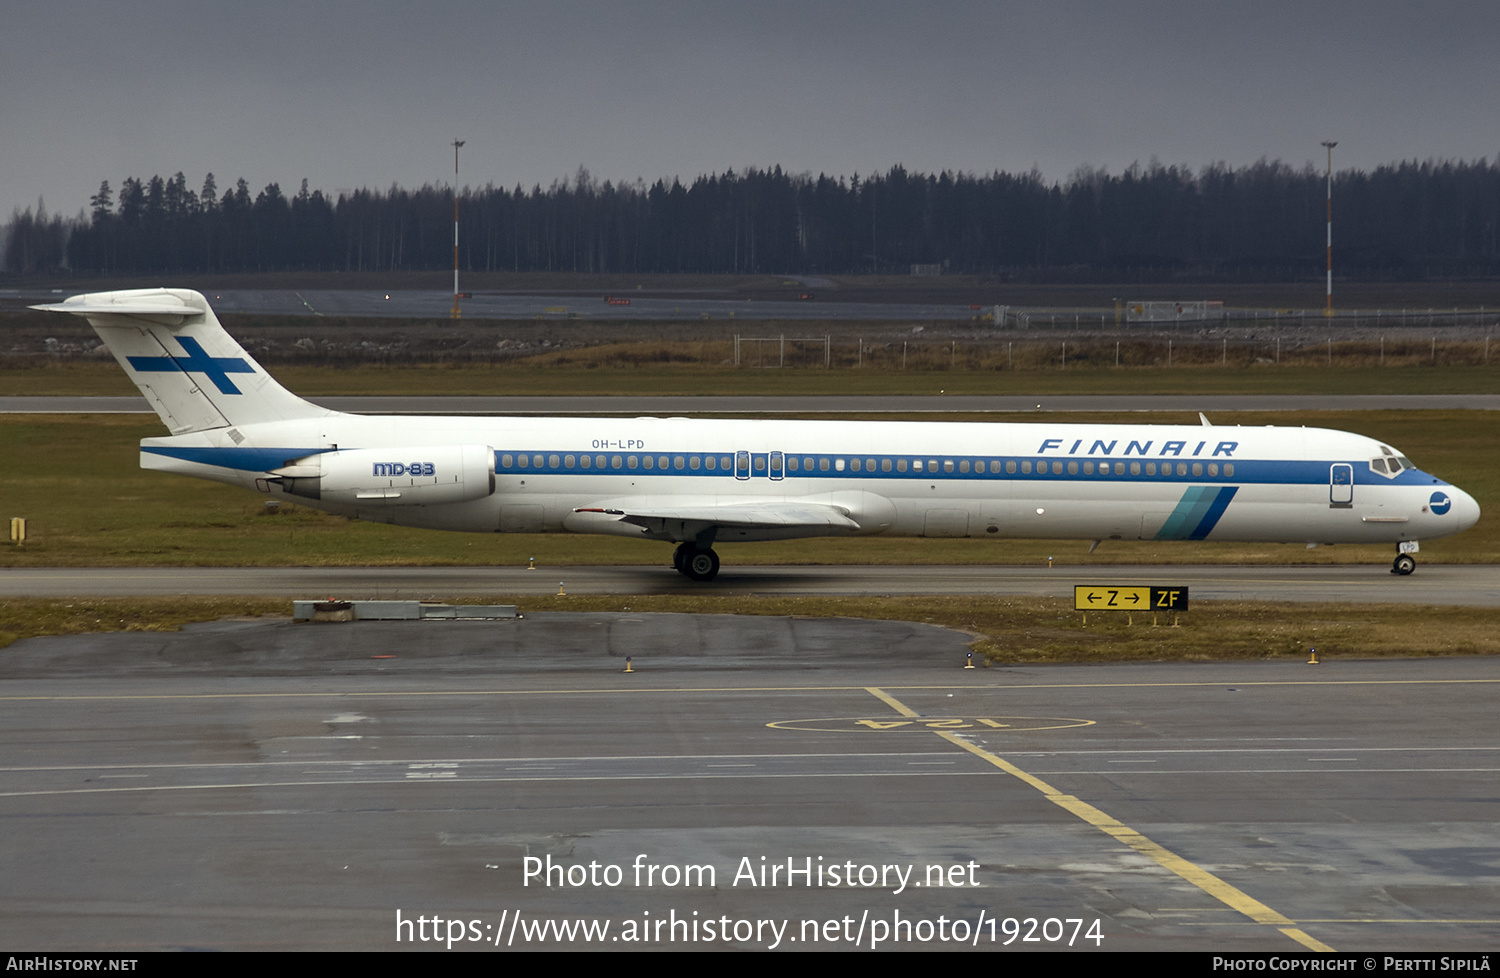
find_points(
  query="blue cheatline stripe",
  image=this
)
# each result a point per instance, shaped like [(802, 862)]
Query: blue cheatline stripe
[(244, 459), (1197, 513), (809, 466), (1215, 510)]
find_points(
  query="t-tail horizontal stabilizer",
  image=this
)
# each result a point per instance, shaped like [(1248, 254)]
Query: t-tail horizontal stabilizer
[(191, 371)]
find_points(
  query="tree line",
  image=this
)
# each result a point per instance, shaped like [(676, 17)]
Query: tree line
[(1259, 222)]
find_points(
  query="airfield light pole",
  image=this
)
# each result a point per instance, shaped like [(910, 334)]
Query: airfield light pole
[(455, 314), (1328, 308)]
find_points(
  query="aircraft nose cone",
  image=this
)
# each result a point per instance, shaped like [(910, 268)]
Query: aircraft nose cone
[(1465, 508)]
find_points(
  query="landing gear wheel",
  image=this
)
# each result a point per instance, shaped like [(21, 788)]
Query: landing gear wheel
[(701, 565), (680, 556), (1404, 564)]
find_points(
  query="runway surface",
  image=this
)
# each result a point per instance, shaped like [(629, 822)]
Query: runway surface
[(1438, 584), (265, 785), (418, 303), (663, 406)]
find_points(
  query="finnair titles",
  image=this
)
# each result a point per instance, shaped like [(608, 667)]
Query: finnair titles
[(696, 483)]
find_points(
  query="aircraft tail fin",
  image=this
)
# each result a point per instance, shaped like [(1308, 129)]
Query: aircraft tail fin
[(193, 373)]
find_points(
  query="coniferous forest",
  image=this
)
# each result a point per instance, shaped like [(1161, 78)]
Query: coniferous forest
[(1257, 223)]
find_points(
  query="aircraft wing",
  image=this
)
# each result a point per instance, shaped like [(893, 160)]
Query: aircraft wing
[(759, 515), (747, 514)]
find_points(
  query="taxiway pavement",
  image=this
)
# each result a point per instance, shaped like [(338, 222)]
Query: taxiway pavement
[(265, 785), (1435, 584)]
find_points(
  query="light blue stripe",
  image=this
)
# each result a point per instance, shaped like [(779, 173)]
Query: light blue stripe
[(1191, 509)]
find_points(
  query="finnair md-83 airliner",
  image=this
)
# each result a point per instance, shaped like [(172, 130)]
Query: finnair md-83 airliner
[(698, 482)]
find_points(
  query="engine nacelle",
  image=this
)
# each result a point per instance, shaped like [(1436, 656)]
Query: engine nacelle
[(405, 476)]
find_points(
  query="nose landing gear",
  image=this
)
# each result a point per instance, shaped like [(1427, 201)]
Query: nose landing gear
[(1404, 564)]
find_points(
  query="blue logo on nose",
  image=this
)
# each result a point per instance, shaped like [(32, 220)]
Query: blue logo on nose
[(1440, 503)]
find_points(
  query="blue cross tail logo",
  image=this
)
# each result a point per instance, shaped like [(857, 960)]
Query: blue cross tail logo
[(217, 369)]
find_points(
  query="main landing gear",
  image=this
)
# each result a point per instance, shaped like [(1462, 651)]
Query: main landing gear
[(700, 565), (1403, 564)]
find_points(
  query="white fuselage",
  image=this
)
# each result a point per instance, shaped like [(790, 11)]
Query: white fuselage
[(698, 482), (939, 479)]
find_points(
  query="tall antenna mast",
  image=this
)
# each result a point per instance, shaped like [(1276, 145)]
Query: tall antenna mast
[(456, 314), (1328, 308)]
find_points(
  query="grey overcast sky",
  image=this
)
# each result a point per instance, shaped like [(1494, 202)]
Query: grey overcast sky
[(354, 94)]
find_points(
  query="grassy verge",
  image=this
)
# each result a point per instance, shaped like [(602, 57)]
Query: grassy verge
[(532, 378), (29, 618), (88, 503), (1006, 630)]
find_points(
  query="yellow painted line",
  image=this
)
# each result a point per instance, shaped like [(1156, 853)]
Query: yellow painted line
[(1011, 724), (1225, 893), (891, 702)]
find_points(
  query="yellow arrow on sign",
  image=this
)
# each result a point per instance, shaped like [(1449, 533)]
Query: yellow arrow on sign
[(1099, 598)]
